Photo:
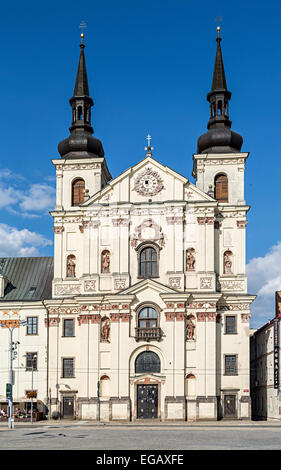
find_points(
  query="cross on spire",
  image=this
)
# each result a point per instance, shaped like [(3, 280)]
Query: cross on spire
[(219, 20), (148, 148), (82, 26)]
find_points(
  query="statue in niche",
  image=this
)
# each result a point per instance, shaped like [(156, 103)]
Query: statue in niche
[(190, 329), (105, 262), (227, 262), (190, 259), (105, 330), (70, 268)]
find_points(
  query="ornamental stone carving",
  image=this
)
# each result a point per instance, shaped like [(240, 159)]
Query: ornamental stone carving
[(201, 316), (64, 310), (205, 220), (190, 328), (58, 229), (70, 266), (175, 282), (206, 283), (245, 317), (119, 284), (81, 166), (233, 307), (227, 262), (90, 286), (190, 259), (232, 285), (105, 261), (148, 230), (67, 289), (105, 330), (52, 321), (148, 182), (241, 223)]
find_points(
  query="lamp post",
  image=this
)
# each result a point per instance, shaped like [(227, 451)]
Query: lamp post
[(98, 394), (11, 324)]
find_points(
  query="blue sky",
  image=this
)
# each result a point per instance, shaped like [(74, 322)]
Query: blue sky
[(150, 67)]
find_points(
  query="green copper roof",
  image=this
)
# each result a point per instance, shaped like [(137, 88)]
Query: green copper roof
[(29, 279)]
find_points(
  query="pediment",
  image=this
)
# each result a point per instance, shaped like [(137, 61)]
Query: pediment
[(148, 181), (147, 284)]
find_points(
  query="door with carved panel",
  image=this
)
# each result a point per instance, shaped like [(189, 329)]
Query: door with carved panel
[(147, 401)]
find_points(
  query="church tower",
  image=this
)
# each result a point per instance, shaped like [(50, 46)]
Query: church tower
[(219, 162), (81, 151), (218, 168), (80, 173)]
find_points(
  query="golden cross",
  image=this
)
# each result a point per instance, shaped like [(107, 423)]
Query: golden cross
[(82, 26)]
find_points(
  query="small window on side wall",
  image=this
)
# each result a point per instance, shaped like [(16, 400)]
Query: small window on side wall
[(230, 325), (221, 188)]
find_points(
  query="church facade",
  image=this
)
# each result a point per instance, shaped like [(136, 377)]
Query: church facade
[(148, 316)]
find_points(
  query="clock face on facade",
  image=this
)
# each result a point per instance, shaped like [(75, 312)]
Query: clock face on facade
[(148, 182)]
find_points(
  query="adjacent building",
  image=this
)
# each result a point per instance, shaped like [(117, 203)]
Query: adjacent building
[(265, 368), (146, 313)]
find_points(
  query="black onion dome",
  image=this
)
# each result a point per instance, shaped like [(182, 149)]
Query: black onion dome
[(219, 138), (81, 143)]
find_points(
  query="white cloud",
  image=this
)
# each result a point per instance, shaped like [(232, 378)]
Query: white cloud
[(26, 202), (15, 242), (264, 278), (39, 198)]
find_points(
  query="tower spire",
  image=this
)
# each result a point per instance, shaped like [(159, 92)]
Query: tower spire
[(81, 143), (219, 138)]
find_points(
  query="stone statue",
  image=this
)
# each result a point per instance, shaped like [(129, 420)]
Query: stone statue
[(105, 262), (190, 328), (190, 259), (105, 330), (227, 262), (70, 272)]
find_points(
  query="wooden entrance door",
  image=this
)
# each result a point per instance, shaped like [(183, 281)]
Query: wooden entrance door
[(147, 401), (229, 406), (68, 407)]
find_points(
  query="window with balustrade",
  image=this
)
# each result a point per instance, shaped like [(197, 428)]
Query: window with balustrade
[(148, 324)]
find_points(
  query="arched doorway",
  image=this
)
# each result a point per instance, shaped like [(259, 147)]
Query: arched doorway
[(147, 362)]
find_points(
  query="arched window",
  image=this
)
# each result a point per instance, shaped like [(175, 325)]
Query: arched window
[(147, 318), (148, 262), (221, 188), (147, 362), (80, 113), (78, 191)]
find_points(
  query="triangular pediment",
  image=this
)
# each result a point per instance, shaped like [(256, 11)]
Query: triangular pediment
[(148, 181), (147, 284)]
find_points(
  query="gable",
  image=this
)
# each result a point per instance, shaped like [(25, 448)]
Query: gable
[(148, 181)]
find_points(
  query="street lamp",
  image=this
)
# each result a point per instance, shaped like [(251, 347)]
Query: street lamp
[(11, 325)]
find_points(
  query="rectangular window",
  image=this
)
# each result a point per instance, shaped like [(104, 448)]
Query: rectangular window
[(68, 327), (231, 364), (32, 326), (31, 360), (68, 367), (230, 325)]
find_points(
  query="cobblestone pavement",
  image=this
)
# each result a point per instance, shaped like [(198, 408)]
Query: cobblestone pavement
[(151, 436)]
